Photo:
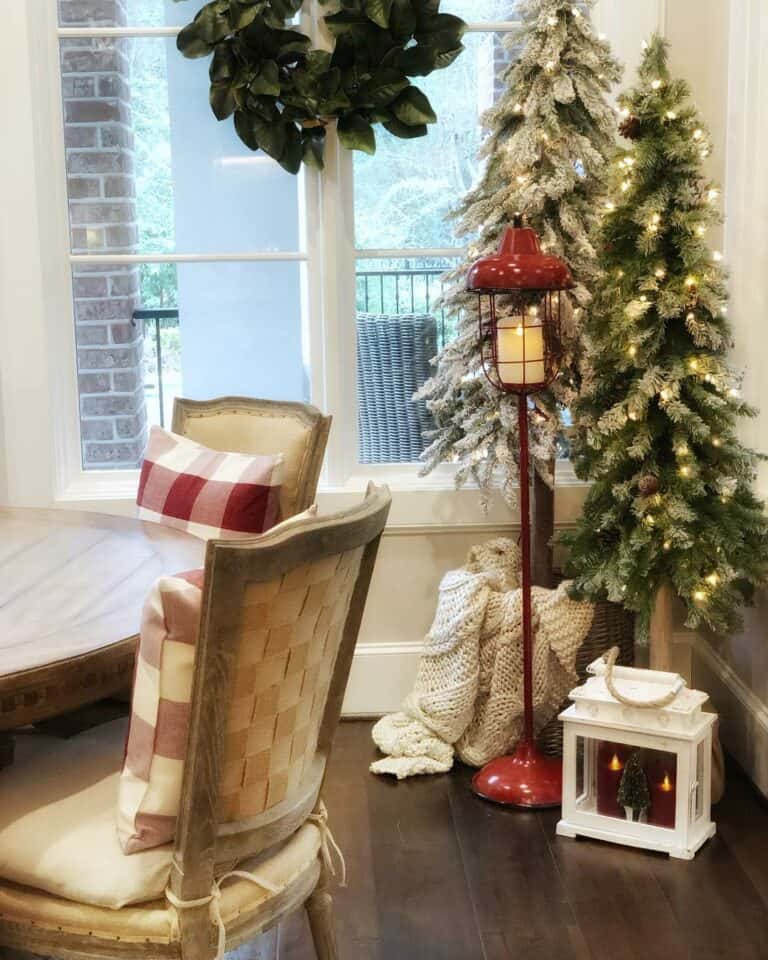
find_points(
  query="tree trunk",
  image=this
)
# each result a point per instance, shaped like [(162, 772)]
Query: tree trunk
[(543, 531), (661, 629)]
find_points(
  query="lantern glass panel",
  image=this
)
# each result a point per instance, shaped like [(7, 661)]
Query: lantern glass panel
[(601, 766), (520, 348), (698, 794), (520, 335)]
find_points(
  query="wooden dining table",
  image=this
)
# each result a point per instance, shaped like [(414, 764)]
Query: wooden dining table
[(72, 587)]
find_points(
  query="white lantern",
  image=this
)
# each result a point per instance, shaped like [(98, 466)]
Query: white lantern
[(637, 761)]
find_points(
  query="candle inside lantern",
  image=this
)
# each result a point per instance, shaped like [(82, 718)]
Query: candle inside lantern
[(663, 801), (611, 760), (520, 349)]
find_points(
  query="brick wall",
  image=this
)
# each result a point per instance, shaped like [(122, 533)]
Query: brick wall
[(102, 211)]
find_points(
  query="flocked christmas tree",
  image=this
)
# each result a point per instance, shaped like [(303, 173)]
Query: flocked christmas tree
[(671, 500), (633, 790), (550, 134)]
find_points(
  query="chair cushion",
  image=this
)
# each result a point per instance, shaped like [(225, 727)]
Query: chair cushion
[(57, 821), (151, 779), (207, 492), (58, 840)]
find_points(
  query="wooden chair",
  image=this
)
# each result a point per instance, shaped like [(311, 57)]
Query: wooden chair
[(279, 623), (242, 425)]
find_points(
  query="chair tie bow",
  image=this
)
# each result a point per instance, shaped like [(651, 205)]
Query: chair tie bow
[(328, 847)]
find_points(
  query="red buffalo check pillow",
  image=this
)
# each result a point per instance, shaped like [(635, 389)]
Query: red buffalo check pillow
[(206, 492)]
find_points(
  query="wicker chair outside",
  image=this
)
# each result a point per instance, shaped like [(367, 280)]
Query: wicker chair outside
[(394, 354)]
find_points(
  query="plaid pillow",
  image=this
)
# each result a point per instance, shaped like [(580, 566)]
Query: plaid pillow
[(206, 492), (153, 769), (150, 783)]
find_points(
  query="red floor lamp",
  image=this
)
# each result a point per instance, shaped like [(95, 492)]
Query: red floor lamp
[(520, 310)]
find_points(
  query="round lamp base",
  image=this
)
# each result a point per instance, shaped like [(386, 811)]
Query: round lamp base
[(525, 778)]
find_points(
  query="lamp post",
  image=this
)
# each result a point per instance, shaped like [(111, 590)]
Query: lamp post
[(520, 309)]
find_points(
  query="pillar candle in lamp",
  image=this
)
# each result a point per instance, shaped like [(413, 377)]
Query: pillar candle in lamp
[(663, 799), (520, 350), (611, 761)]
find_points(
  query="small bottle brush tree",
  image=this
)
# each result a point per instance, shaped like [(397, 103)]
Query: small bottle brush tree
[(633, 793), (671, 505), (550, 134)]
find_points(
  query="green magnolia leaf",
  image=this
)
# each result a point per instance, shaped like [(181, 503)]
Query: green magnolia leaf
[(313, 146), (413, 108), (345, 21), (286, 9), (330, 82), (404, 131), (241, 14), (446, 57), (416, 61), (440, 23), (223, 64), (355, 133), (213, 22), (402, 21), (271, 136), (222, 100), (290, 45), (244, 129), (267, 80), (378, 11), (335, 105), (290, 158), (191, 44), (384, 86)]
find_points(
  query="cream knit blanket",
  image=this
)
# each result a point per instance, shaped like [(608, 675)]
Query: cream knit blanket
[(468, 695)]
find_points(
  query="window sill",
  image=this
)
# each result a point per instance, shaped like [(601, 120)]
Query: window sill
[(419, 503)]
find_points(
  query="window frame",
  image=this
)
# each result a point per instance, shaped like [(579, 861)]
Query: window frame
[(328, 277)]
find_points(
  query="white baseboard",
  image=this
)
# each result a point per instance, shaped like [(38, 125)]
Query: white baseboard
[(743, 715), (381, 676)]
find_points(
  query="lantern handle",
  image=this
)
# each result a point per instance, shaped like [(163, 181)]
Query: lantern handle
[(610, 662)]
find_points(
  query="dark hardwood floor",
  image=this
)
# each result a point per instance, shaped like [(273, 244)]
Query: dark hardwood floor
[(436, 874)]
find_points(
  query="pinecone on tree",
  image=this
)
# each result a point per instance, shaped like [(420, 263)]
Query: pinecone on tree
[(630, 127), (648, 485)]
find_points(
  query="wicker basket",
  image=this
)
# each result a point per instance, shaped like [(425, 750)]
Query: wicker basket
[(393, 361), (612, 626)]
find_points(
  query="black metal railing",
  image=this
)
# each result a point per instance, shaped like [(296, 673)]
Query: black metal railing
[(403, 291), (158, 318)]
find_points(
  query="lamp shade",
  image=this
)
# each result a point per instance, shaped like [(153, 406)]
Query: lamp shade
[(520, 264)]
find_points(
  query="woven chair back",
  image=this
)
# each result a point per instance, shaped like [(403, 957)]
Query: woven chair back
[(279, 624), (287, 643)]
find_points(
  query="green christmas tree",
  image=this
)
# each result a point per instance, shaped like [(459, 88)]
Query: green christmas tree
[(633, 789), (550, 135), (671, 499)]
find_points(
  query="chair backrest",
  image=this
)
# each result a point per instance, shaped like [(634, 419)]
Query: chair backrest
[(243, 425), (278, 628)]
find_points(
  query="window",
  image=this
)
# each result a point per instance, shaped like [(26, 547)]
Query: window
[(199, 268), (185, 249)]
